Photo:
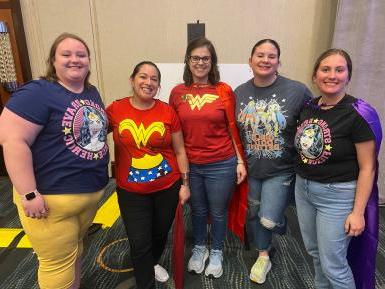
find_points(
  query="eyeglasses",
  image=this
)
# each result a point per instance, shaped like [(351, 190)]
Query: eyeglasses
[(197, 59)]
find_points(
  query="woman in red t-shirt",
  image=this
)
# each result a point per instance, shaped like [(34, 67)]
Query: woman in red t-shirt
[(151, 170), (215, 161)]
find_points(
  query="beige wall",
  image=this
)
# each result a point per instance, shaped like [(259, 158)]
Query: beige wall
[(121, 33), (44, 20)]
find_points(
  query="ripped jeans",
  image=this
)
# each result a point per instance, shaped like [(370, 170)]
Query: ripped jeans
[(267, 201)]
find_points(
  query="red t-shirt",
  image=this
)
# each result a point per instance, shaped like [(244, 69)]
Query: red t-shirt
[(144, 156), (204, 124)]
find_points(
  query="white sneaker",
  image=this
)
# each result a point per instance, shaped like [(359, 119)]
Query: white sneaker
[(161, 274), (214, 267), (198, 259), (260, 269)]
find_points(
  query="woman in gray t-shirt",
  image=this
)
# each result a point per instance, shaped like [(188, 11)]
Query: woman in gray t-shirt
[(268, 107)]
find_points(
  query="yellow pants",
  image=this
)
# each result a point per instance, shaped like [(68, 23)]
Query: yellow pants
[(58, 239)]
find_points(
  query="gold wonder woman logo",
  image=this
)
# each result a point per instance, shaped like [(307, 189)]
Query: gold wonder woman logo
[(199, 101), (141, 134)]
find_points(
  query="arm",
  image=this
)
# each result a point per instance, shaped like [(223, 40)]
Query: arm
[(181, 157), (355, 222), (16, 137), (230, 105), (241, 167), (110, 113)]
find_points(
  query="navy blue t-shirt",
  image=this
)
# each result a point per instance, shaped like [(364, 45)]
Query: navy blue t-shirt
[(70, 154)]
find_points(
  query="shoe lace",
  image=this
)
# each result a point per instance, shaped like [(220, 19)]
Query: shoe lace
[(198, 252)]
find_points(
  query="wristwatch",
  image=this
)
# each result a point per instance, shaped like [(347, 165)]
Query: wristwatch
[(29, 196)]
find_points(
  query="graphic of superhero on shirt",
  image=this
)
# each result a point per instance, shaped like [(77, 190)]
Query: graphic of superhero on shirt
[(313, 141), (92, 132), (263, 123), (310, 141), (147, 165)]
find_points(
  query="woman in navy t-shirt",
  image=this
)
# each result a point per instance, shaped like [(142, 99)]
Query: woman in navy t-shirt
[(53, 132)]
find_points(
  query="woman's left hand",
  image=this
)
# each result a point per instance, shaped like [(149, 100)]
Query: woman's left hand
[(184, 194), (241, 173), (354, 224)]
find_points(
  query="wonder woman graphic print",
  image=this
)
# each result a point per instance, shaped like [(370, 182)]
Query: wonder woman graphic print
[(145, 160)]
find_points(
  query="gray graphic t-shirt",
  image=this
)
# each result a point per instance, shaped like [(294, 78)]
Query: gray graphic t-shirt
[(267, 119)]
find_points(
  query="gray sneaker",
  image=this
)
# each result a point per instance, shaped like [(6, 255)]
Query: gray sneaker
[(198, 259), (214, 267)]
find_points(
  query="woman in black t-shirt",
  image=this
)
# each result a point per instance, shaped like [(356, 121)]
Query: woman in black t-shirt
[(336, 175)]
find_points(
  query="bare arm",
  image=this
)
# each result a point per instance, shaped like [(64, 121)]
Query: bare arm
[(230, 114), (355, 222), (16, 137), (181, 157), (241, 166)]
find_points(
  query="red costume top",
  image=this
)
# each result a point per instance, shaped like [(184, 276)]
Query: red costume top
[(203, 118), (144, 156)]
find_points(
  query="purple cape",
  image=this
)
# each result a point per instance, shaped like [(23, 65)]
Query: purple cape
[(362, 249)]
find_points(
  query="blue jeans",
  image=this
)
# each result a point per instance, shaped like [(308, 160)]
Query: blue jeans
[(211, 188), (267, 201), (322, 210)]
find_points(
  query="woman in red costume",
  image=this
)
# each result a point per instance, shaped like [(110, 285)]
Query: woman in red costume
[(152, 171), (205, 107)]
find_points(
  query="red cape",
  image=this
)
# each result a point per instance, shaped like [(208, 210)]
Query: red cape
[(178, 248), (238, 204)]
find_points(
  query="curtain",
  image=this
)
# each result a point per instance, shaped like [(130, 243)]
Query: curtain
[(360, 30)]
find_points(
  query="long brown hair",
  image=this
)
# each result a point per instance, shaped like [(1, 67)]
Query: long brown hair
[(51, 71), (213, 76)]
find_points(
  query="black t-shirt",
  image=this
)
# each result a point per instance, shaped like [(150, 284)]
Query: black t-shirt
[(325, 141)]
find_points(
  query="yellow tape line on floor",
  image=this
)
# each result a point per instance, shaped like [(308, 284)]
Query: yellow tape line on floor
[(107, 215), (109, 212)]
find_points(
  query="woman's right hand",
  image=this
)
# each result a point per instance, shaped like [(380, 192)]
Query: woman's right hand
[(35, 208), (184, 194), (241, 173)]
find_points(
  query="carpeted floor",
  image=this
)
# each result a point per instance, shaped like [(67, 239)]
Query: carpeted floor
[(107, 265)]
